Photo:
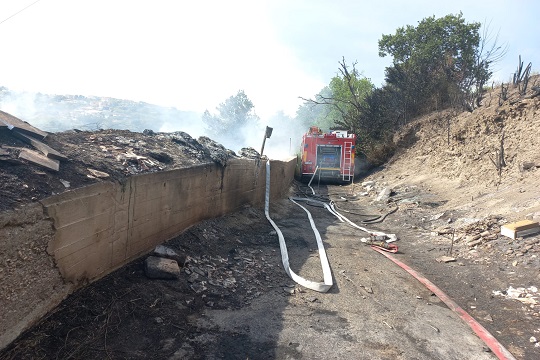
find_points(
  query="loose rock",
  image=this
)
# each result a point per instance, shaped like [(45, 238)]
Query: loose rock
[(160, 268)]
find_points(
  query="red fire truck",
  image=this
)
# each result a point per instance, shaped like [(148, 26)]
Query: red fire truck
[(330, 156)]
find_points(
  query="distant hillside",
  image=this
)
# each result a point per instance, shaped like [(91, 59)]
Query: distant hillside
[(56, 113)]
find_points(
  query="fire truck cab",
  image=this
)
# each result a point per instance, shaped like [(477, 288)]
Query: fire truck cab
[(330, 156)]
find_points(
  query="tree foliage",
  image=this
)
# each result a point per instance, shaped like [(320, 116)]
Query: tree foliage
[(343, 103), (344, 99), (441, 62), (232, 115)]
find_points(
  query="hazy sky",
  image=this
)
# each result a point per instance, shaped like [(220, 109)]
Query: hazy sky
[(194, 54)]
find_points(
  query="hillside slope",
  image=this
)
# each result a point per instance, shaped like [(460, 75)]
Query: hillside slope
[(452, 202), (458, 166)]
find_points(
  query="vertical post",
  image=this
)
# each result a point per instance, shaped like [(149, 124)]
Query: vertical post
[(267, 135), (290, 146)]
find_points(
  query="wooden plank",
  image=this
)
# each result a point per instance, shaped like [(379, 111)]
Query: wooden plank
[(38, 159), (44, 148), (14, 123), (520, 228)]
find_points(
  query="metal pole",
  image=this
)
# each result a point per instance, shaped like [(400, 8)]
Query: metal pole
[(267, 135)]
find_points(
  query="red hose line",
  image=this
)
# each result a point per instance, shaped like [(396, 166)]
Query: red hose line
[(498, 349)]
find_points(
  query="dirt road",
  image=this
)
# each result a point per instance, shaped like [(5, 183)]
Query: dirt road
[(234, 301)]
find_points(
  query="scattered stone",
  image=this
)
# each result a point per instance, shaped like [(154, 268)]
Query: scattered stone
[(195, 277), (198, 271), (289, 291), (527, 296), (160, 268), (229, 282), (217, 152), (446, 259), (368, 183), (472, 238), (249, 152), (164, 251), (198, 287), (474, 243), (445, 230), (437, 216), (168, 253), (65, 183), (98, 174), (384, 195)]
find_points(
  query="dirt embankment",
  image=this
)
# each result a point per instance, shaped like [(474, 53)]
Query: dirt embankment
[(454, 197), (455, 155)]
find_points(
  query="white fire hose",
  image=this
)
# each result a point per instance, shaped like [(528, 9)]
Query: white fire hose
[(327, 274)]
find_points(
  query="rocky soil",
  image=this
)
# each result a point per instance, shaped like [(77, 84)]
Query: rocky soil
[(451, 200), (105, 155)]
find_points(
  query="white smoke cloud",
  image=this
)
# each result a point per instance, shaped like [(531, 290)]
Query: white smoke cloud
[(54, 113)]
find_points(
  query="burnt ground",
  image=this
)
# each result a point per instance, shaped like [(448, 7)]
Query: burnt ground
[(234, 300), (233, 280), (115, 153)]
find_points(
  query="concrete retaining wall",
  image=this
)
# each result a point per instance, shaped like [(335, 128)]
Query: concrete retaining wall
[(99, 228)]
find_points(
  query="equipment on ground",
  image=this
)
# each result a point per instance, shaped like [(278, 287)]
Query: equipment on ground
[(328, 156)]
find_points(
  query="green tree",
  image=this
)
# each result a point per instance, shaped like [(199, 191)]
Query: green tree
[(349, 92), (343, 100), (232, 116), (439, 63)]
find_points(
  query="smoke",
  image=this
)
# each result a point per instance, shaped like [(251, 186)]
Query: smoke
[(190, 123), (283, 143), (56, 113), (286, 136), (21, 105)]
